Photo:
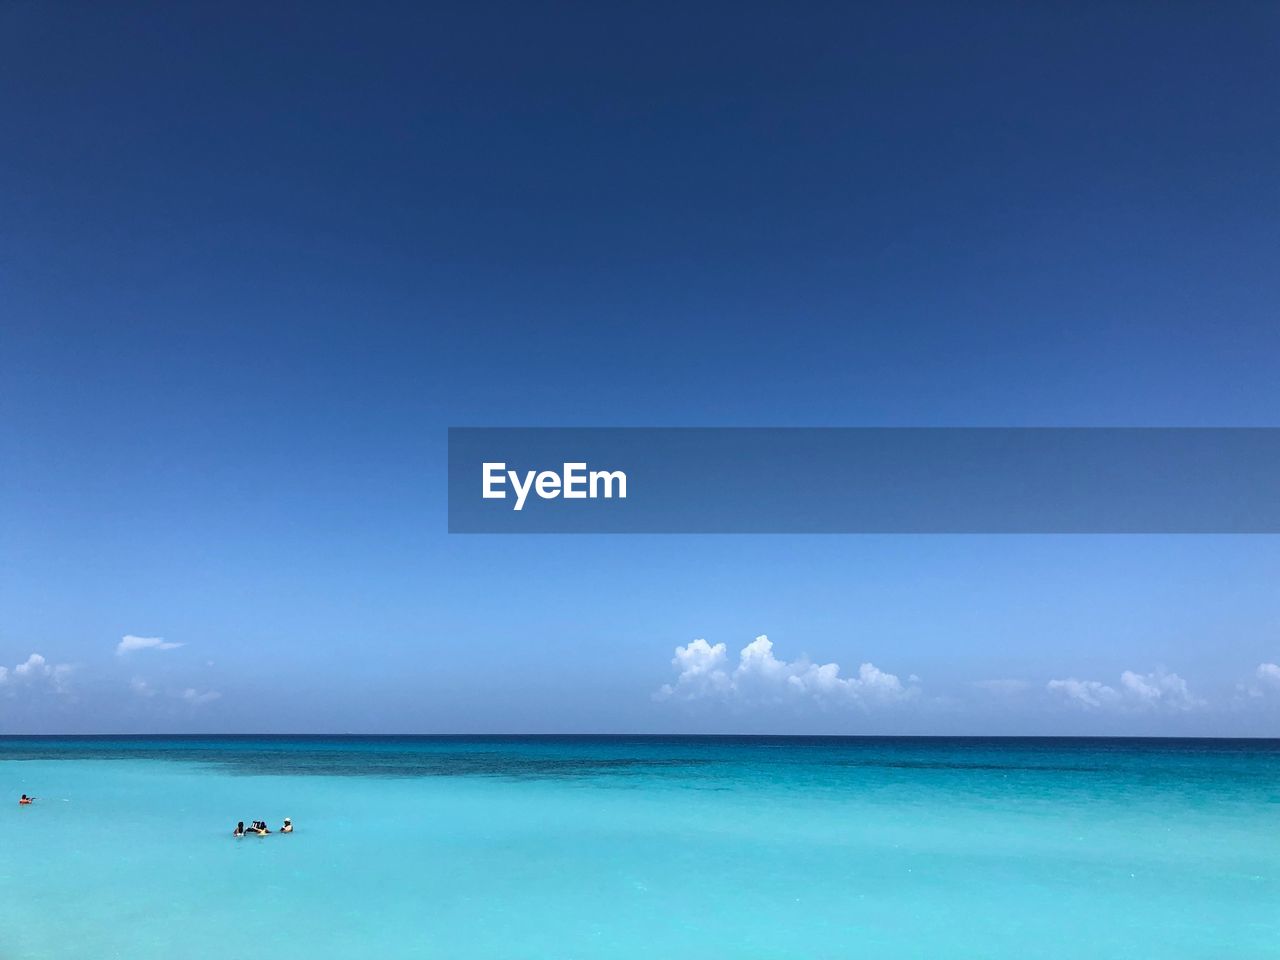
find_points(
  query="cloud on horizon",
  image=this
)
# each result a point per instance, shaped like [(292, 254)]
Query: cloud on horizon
[(36, 670), (129, 644), (141, 687), (198, 698), (703, 672), (1136, 691)]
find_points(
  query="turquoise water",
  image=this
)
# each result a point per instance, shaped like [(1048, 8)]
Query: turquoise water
[(641, 847)]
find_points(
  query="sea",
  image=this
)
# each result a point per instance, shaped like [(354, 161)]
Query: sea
[(640, 847)]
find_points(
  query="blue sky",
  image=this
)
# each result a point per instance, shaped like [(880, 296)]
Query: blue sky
[(255, 262)]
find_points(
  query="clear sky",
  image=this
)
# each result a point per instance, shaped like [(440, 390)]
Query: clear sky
[(256, 258)]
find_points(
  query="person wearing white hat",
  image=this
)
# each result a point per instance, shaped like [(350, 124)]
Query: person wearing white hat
[(287, 827)]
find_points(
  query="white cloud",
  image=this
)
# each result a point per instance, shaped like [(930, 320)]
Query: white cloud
[(143, 688), (1160, 689), (37, 670), (1137, 691), (702, 670), (35, 666), (1091, 693), (1269, 673), (196, 698), (129, 643)]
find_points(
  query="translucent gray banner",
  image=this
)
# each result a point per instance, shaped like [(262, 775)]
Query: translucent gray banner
[(864, 480)]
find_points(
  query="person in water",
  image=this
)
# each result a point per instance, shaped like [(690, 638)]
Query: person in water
[(24, 799), (239, 831), (260, 828), (287, 826)]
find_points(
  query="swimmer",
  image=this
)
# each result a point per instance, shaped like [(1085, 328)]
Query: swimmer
[(239, 831), (287, 826), (24, 799), (260, 828)]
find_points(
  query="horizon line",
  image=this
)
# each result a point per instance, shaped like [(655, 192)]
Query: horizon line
[(652, 736)]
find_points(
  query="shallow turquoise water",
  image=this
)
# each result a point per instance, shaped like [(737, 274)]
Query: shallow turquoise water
[(641, 847)]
